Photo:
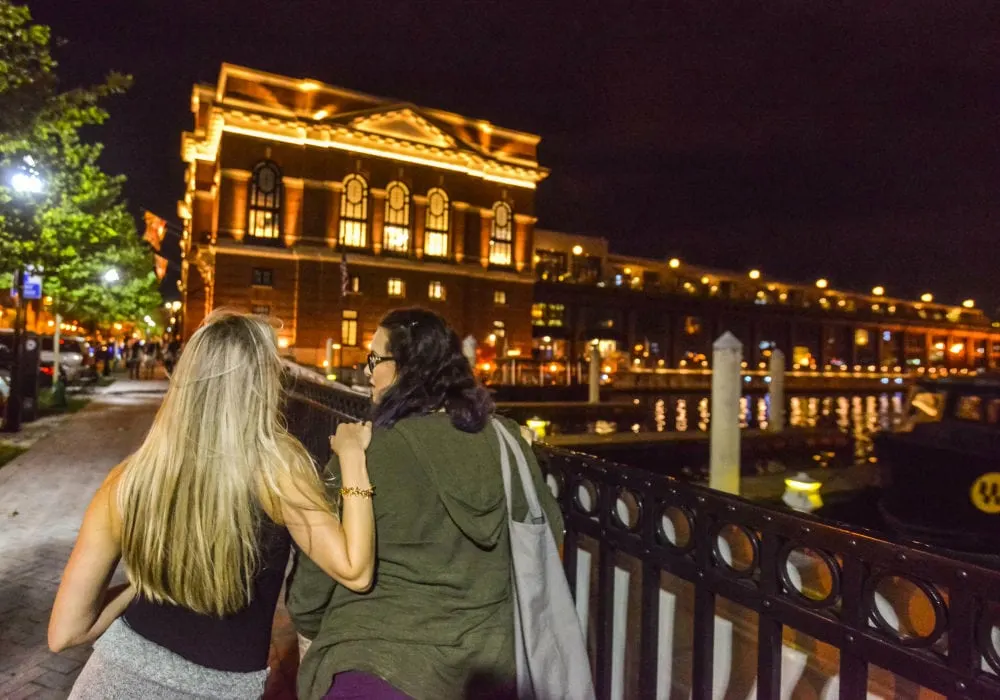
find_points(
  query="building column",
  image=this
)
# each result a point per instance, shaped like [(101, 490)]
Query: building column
[(419, 225), (378, 220), (333, 215), (523, 235), (854, 346), (485, 229), (823, 356), (292, 225), (458, 229), (878, 347)]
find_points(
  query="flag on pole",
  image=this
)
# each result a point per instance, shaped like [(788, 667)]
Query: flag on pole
[(160, 263), (156, 229), (345, 280)]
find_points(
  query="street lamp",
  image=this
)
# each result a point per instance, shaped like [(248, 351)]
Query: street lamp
[(822, 283), (754, 274), (26, 184), (878, 291), (927, 298), (112, 276)]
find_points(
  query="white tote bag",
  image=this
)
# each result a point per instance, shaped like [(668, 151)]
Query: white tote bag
[(552, 662)]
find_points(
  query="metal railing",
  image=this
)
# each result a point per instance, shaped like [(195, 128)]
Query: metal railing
[(878, 614)]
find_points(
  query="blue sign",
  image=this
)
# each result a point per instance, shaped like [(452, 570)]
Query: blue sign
[(32, 287)]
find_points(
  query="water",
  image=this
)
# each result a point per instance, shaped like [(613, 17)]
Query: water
[(861, 416)]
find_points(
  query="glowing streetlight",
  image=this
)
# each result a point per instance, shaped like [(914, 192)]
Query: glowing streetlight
[(26, 183), (112, 276), (822, 283), (878, 291), (578, 250), (705, 280), (674, 263), (927, 297), (969, 303), (754, 274)]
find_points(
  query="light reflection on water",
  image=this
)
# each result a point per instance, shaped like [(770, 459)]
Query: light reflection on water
[(859, 415)]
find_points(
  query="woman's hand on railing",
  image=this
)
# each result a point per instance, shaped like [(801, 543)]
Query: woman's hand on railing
[(351, 437)]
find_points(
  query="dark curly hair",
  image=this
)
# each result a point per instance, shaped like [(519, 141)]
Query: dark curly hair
[(431, 373)]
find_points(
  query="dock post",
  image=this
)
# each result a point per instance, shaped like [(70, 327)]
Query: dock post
[(724, 445), (777, 391), (595, 375)]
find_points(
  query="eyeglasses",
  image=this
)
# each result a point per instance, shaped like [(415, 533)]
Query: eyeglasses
[(374, 360)]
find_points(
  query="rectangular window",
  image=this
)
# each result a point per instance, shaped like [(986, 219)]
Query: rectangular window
[(397, 239), (353, 233), (586, 269), (548, 314), (500, 297), (969, 408), (260, 310), (550, 265), (436, 244), (436, 291), (349, 328), (500, 329), (355, 285), (397, 288), (263, 277)]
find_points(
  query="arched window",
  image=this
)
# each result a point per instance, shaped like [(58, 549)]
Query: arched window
[(354, 212), (502, 235), (437, 221), (397, 218), (264, 202)]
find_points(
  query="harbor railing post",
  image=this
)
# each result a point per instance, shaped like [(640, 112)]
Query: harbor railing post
[(777, 391), (724, 445), (595, 375)]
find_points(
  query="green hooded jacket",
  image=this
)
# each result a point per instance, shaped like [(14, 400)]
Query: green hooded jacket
[(438, 622)]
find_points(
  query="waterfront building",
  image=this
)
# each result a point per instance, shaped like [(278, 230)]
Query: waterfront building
[(325, 207), (649, 315)]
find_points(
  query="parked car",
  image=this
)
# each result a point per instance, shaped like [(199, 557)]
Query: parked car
[(4, 392), (75, 358)]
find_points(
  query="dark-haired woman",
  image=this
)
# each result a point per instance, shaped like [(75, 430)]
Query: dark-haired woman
[(439, 621)]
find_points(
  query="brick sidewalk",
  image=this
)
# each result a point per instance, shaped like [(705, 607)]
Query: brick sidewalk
[(43, 495)]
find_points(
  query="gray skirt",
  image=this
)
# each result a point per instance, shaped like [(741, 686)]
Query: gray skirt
[(127, 665)]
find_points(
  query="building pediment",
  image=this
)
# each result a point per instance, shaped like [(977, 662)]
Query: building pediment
[(405, 124)]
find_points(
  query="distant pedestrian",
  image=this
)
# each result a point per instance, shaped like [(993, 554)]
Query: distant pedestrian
[(134, 359)]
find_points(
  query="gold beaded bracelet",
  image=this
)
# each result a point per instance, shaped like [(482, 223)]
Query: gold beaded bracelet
[(355, 491)]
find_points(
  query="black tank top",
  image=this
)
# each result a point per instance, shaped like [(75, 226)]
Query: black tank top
[(239, 642)]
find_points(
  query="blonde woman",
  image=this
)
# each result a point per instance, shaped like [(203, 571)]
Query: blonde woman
[(202, 516)]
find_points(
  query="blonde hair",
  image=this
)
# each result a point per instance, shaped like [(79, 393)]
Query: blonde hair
[(190, 497)]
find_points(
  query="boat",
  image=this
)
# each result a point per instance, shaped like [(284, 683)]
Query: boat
[(941, 468)]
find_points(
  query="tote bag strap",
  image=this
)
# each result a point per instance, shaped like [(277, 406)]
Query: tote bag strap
[(509, 443)]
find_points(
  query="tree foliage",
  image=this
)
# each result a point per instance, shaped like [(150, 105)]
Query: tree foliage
[(78, 226)]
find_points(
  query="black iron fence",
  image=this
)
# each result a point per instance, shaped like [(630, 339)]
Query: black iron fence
[(891, 618)]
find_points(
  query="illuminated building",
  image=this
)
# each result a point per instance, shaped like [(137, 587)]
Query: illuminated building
[(660, 315), (285, 176)]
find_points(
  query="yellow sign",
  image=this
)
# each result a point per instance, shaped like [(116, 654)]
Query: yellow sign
[(985, 493)]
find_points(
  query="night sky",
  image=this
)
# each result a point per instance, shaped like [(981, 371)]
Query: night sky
[(858, 141)]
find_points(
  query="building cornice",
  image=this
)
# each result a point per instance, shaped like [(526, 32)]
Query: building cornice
[(204, 146), (359, 259)]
